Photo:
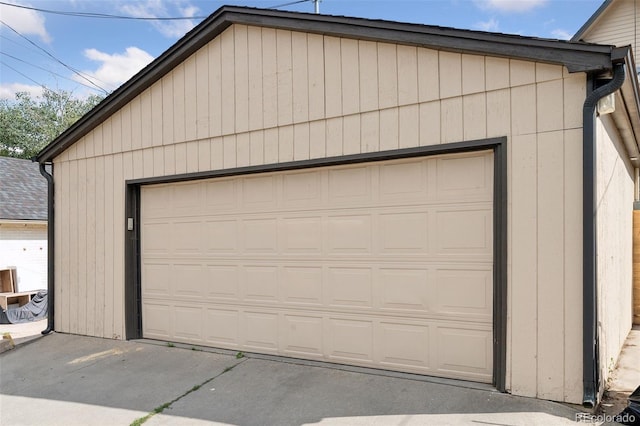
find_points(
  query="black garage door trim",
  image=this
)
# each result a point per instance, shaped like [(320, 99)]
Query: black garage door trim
[(133, 300)]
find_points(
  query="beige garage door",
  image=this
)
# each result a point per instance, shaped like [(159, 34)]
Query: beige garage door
[(383, 264)]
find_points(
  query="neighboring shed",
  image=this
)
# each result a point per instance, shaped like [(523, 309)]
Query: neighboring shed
[(372, 193), (23, 222)]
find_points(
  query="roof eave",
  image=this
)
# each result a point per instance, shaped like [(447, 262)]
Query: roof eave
[(627, 116), (7, 221), (578, 57)]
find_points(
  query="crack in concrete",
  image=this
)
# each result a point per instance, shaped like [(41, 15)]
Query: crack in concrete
[(139, 421)]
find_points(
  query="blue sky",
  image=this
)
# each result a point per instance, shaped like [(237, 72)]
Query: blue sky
[(107, 52)]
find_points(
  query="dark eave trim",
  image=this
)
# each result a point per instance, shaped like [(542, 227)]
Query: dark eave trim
[(587, 25), (631, 96), (577, 57)]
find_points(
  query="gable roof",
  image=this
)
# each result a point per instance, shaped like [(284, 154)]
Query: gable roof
[(577, 57), (592, 20), (23, 190)]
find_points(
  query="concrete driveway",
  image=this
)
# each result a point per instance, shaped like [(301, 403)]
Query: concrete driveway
[(73, 380)]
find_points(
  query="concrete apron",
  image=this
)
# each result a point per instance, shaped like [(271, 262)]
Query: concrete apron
[(625, 377), (76, 380)]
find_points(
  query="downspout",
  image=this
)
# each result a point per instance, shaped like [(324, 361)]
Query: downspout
[(590, 364), (50, 249)]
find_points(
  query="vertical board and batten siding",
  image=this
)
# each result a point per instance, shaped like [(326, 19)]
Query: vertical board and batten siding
[(618, 25), (257, 96), (615, 195)]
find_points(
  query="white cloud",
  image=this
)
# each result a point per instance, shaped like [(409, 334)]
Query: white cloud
[(115, 68), (9, 90), (490, 25), (561, 34), (507, 6), (164, 9), (26, 22)]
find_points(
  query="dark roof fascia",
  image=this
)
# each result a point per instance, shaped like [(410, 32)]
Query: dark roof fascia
[(587, 25), (577, 57)]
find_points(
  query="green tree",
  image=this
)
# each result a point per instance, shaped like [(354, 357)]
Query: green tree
[(28, 124)]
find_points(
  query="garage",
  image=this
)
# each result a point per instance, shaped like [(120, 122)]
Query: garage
[(385, 264), (376, 194)]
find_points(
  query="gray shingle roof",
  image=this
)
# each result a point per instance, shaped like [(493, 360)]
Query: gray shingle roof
[(23, 190)]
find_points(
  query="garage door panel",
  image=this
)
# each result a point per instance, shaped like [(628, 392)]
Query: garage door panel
[(349, 287), (260, 283), (349, 186), (404, 233), (221, 236), (187, 280), (302, 285), (403, 182), (464, 291), (221, 196), (302, 189), (404, 289), (349, 340), (260, 235), (260, 331), (385, 265), (301, 235), (302, 335), (186, 237), (186, 199), (158, 207), (463, 177), (349, 234), (155, 241), (464, 350), (188, 322), (158, 278), (157, 320), (222, 327), (464, 232), (222, 281), (403, 345), (259, 193)]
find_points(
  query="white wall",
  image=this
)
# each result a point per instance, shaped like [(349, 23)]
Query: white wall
[(615, 222), (24, 246)]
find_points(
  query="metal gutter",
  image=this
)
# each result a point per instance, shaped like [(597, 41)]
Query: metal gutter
[(50, 251), (590, 364)]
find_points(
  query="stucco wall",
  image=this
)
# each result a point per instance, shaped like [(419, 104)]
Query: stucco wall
[(24, 246), (258, 96), (615, 230)]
